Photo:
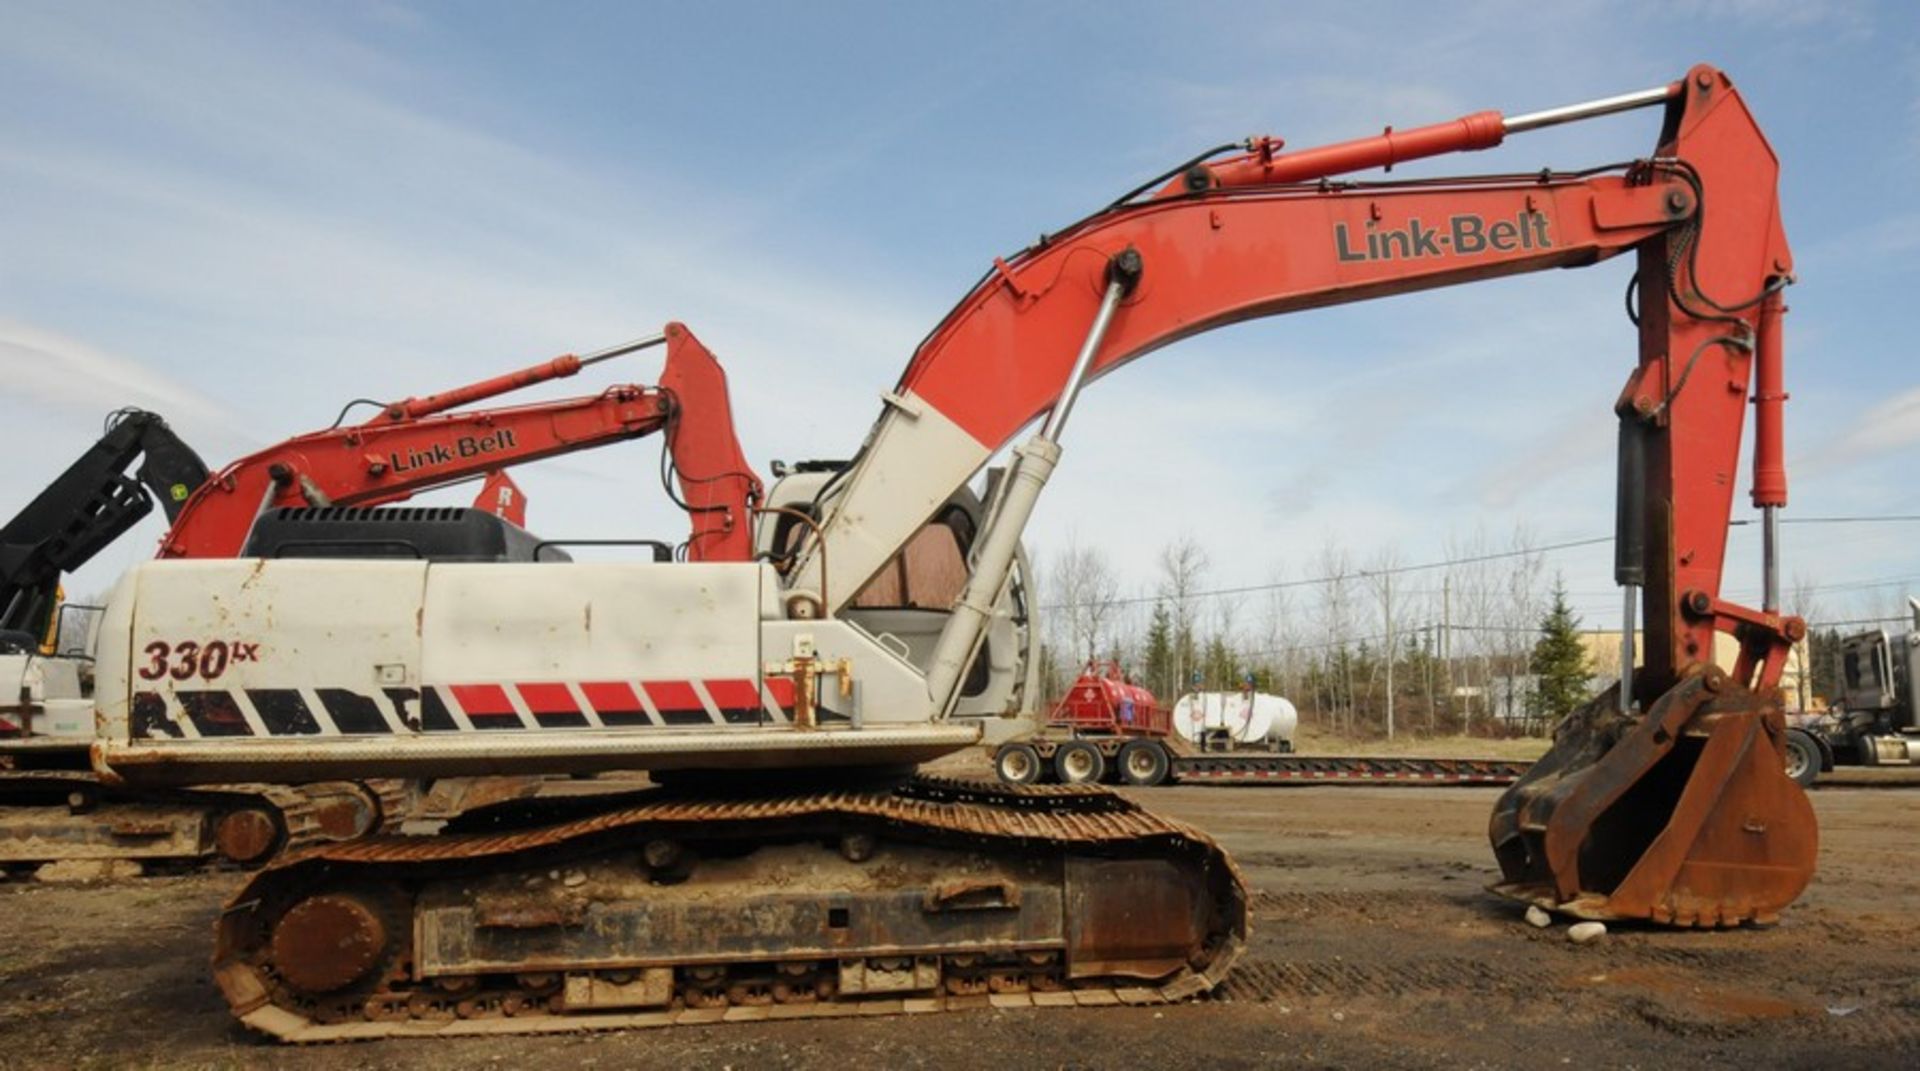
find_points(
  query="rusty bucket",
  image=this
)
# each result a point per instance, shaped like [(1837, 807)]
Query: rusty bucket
[(1682, 815)]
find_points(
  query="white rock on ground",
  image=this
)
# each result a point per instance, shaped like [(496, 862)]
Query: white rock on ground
[(1582, 932), (1538, 918), (79, 870)]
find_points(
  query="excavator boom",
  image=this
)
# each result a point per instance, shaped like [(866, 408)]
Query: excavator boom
[(423, 443)]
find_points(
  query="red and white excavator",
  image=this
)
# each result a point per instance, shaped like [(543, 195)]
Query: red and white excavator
[(790, 864), (308, 496)]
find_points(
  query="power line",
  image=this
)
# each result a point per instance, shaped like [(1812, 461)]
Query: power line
[(1811, 625), (1358, 574), (1890, 518), (1521, 552)]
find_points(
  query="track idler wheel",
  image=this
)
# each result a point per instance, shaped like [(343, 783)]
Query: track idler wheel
[(328, 942), (248, 836), (1683, 815)]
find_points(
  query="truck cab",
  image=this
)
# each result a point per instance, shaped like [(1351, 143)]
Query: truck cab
[(1878, 708)]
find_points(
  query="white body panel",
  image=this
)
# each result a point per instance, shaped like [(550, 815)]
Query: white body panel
[(281, 624), (573, 622), (256, 670)]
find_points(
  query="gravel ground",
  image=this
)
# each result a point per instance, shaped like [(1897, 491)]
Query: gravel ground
[(1374, 945)]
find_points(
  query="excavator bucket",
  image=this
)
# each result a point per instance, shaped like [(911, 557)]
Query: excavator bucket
[(1682, 815)]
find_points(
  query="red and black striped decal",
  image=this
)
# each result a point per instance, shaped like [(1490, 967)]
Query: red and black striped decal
[(677, 702), (786, 695), (352, 712), (149, 720), (617, 704), (738, 700), (215, 713), (552, 706), (283, 712), (487, 706)]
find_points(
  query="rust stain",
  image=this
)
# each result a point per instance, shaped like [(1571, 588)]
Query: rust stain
[(1710, 998)]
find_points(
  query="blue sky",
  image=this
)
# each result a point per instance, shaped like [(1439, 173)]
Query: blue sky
[(243, 215)]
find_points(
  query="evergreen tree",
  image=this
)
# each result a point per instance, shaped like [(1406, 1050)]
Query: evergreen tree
[(1159, 657), (1221, 666), (1559, 661)]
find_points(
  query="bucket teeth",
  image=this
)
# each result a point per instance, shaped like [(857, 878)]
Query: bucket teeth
[(1682, 816)]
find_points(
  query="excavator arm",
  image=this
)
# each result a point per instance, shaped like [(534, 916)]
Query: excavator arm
[(1664, 801), (1231, 241), (87, 507), (422, 443)]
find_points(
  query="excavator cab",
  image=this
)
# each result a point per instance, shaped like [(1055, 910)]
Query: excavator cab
[(907, 603)]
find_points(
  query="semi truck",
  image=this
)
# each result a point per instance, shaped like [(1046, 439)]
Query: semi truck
[(1875, 718)]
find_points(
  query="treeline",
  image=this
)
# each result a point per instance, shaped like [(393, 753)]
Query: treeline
[(1484, 642), (1354, 645)]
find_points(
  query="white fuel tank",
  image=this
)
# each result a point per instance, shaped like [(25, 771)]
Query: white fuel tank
[(1253, 719)]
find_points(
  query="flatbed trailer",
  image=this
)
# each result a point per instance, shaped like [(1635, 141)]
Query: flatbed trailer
[(1053, 754), (1245, 768)]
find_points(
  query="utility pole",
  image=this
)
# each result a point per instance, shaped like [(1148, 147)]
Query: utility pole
[(1446, 637), (1386, 595)]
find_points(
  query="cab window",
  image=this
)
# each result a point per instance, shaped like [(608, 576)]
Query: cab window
[(929, 571)]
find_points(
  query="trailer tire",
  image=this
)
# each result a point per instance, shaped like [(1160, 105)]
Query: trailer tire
[(1803, 758), (1018, 764), (1079, 763), (1143, 762)]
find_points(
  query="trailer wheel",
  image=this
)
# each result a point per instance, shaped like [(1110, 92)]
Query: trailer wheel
[(1803, 758), (1143, 762), (1018, 764), (1079, 763)]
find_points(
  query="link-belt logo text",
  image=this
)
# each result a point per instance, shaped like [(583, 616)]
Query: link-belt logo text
[(1463, 234), (441, 453)]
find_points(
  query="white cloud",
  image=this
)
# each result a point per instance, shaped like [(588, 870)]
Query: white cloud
[(1891, 425), (1852, 16), (44, 369)]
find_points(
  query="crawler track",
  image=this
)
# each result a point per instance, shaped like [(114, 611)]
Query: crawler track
[(664, 907), (58, 814)]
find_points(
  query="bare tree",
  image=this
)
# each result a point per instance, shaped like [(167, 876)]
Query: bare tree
[(1183, 566), (1280, 635), (1087, 590), (1379, 573), (1335, 564), (1802, 602), (1475, 617), (1523, 605)]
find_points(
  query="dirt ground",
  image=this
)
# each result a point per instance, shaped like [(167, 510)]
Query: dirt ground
[(1374, 946)]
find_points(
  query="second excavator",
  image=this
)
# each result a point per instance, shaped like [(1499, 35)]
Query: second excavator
[(312, 495), (790, 864)]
